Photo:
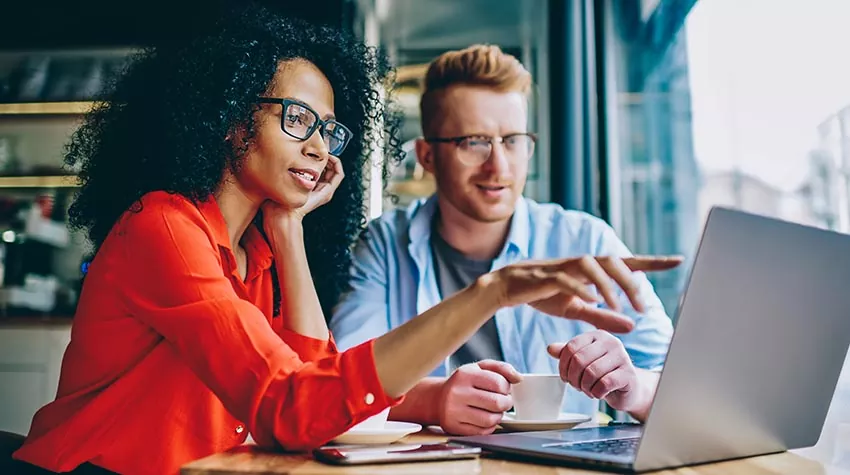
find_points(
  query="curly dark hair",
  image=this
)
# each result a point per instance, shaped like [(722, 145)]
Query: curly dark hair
[(163, 123)]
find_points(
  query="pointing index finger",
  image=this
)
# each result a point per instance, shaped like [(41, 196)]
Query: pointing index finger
[(652, 263)]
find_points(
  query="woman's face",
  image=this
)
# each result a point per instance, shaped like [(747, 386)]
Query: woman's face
[(279, 166)]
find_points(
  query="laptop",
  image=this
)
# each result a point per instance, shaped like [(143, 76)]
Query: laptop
[(761, 336)]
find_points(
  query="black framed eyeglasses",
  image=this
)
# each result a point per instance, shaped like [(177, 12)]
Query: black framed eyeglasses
[(300, 121), (474, 150)]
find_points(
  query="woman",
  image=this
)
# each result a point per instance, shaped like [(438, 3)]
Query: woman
[(199, 322)]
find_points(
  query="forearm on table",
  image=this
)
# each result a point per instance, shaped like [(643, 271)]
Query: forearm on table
[(411, 351), (299, 301)]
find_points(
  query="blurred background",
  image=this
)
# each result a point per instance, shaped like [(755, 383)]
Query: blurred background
[(648, 111)]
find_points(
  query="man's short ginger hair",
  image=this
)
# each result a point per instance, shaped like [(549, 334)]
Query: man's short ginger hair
[(477, 65)]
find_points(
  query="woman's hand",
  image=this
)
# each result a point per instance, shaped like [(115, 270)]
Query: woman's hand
[(328, 183), (561, 287)]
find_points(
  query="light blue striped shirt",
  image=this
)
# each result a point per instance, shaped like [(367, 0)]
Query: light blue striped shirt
[(393, 280)]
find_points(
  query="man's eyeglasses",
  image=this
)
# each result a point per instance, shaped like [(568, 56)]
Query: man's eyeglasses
[(474, 150), (300, 121)]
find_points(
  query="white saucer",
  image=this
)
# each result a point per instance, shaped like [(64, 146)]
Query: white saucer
[(566, 420), (391, 432)]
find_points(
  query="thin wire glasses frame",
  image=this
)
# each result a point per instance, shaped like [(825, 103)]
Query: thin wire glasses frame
[(476, 149)]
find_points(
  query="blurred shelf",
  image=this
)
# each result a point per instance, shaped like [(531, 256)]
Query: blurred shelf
[(58, 181), (418, 188), (46, 108), (35, 320), (411, 72)]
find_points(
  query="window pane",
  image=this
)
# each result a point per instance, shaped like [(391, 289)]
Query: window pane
[(741, 103)]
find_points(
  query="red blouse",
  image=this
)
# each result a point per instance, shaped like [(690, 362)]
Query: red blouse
[(174, 357)]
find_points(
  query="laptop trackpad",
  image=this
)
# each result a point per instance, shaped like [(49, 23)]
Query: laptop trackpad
[(579, 435)]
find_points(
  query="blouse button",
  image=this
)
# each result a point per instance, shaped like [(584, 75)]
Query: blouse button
[(369, 399), (240, 429)]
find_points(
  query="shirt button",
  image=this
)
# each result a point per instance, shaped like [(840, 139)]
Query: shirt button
[(369, 399), (240, 429)]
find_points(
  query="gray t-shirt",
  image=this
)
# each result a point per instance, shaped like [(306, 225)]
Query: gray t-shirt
[(454, 273)]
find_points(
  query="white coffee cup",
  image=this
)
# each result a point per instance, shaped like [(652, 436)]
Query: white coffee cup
[(538, 397), (377, 421)]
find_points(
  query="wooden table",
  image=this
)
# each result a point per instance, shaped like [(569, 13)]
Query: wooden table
[(248, 459), (831, 456)]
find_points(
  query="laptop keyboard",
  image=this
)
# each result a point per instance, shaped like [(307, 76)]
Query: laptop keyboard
[(610, 446)]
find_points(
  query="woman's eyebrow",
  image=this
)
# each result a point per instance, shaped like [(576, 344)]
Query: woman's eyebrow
[(329, 116)]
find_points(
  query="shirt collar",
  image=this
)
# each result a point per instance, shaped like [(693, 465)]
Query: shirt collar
[(422, 215), (212, 215), (258, 250), (260, 255), (519, 234)]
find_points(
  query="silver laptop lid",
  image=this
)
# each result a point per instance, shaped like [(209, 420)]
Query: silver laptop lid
[(763, 332)]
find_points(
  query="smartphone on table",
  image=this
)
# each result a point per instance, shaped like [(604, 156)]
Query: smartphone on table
[(395, 453)]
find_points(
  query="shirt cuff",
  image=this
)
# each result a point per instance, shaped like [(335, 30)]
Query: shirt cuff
[(365, 394), (307, 348)]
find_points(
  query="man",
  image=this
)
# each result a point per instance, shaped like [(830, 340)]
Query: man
[(476, 144)]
